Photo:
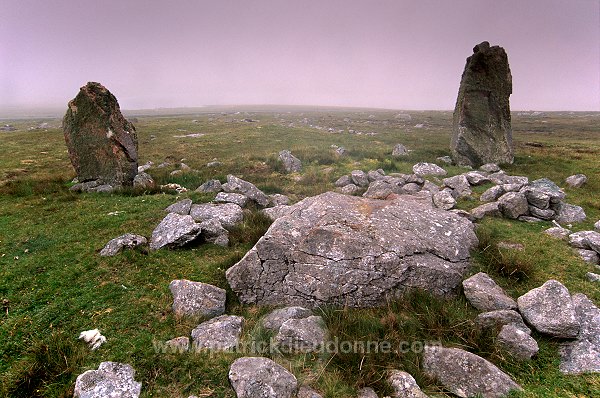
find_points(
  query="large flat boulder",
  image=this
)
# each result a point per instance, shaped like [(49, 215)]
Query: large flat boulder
[(102, 144), (345, 250), (111, 380)]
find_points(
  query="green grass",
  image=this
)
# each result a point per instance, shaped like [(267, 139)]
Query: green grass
[(55, 285)]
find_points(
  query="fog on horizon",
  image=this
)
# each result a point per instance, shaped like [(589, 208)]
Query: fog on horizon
[(381, 54)]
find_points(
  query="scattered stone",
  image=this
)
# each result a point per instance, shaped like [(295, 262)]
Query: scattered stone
[(176, 173), (360, 178), (182, 207), (444, 159), (466, 374), (213, 232), (592, 277), (174, 187), (498, 318), (492, 194), (568, 214), (111, 380), (126, 241), (197, 299), (256, 377), (444, 199), (404, 385), (291, 164), (597, 225), (460, 185), (339, 150), (102, 144), (529, 219), (367, 392), (581, 239), (227, 197), (583, 354), (279, 200), (220, 334), (321, 253), (145, 167), (93, 338), (228, 214), (576, 181), (589, 256), (174, 231), (403, 116), (549, 309), (177, 345), (482, 130), (237, 185), (477, 178), (275, 212), (143, 181), (428, 169), (490, 168), (399, 150), (343, 181), (349, 189), (210, 186), (302, 335), (558, 232), (275, 319), (374, 175), (485, 295), (517, 343), (513, 205), (307, 392), (214, 163)]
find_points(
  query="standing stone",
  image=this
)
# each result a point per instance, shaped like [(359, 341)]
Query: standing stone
[(291, 163), (482, 130), (102, 144), (111, 380)]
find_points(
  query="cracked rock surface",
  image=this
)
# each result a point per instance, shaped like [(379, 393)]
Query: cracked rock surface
[(343, 250)]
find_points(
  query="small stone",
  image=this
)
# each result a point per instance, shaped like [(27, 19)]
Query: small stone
[(399, 150), (220, 334), (360, 178), (237, 185), (492, 194), (307, 392), (182, 207), (592, 277), (568, 214), (558, 232), (404, 385), (256, 377), (197, 298), (367, 392), (227, 197), (343, 181), (597, 225), (425, 169), (275, 319), (549, 309), (210, 186), (279, 200), (576, 181), (488, 209), (143, 181), (476, 178), (547, 214), (485, 295), (302, 335), (445, 159), (373, 175), (460, 184), (228, 214), (490, 168), (581, 239), (177, 345), (213, 232), (517, 343), (174, 231), (444, 199), (111, 380), (349, 189), (498, 318), (513, 205), (589, 256), (291, 163), (126, 241)]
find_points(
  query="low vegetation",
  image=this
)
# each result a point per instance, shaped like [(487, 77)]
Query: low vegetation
[(55, 285)]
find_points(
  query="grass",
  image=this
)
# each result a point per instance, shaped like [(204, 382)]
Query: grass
[(54, 284)]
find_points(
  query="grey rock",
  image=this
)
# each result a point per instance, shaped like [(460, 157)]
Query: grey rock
[(279, 200), (182, 207), (466, 374), (513, 205), (291, 163), (276, 318), (444, 199), (411, 188), (490, 168), (145, 167), (482, 130), (589, 256), (477, 178), (485, 295), (320, 253), (558, 232), (583, 354), (530, 219), (404, 385), (213, 232), (547, 214), (537, 198), (359, 178), (428, 169), (228, 214), (593, 241), (307, 392), (367, 392), (210, 186), (548, 187), (517, 343), (126, 241), (576, 181), (592, 277), (214, 163), (197, 298), (349, 189), (492, 194), (549, 309), (343, 181), (399, 150), (431, 187), (256, 377), (237, 185), (570, 214), (228, 197), (302, 335), (460, 184), (374, 175), (580, 240), (445, 159), (379, 190), (143, 181), (488, 209), (275, 212), (220, 334), (597, 225), (516, 180), (512, 187), (111, 380), (498, 318), (177, 345), (174, 231)]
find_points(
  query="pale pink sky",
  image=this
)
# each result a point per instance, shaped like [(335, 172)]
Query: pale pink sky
[(378, 53)]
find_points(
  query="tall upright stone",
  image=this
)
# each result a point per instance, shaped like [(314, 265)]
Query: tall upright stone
[(482, 130), (102, 144)]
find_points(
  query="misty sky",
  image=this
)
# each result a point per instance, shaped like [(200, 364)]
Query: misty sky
[(379, 53)]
